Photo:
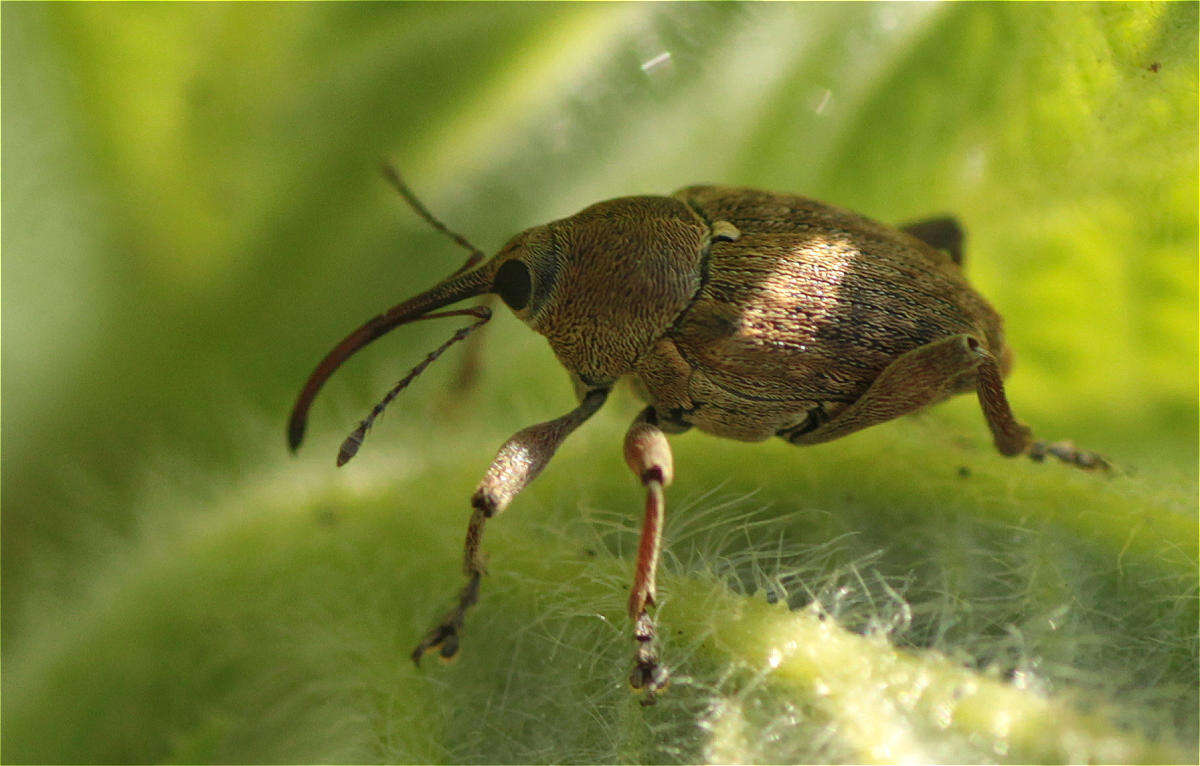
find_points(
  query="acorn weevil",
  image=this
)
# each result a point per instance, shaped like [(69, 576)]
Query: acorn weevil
[(743, 313)]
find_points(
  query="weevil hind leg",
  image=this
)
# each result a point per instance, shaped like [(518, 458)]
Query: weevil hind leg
[(929, 374), (1067, 452), (649, 457), (919, 378), (518, 462), (1011, 437)]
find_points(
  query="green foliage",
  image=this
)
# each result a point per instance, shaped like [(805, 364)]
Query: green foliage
[(194, 215)]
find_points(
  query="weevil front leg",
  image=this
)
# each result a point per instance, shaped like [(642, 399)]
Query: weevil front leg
[(518, 462), (649, 457)]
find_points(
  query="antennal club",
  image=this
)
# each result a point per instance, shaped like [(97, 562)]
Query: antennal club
[(393, 177), (350, 446)]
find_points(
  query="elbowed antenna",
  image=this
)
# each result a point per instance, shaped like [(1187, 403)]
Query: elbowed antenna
[(452, 290), (355, 439), (393, 177)]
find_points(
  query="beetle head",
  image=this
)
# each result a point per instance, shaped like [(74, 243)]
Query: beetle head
[(602, 286)]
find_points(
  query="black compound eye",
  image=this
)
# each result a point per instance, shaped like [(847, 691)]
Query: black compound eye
[(513, 284)]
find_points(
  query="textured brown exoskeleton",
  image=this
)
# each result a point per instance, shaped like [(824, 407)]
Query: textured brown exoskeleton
[(744, 313)]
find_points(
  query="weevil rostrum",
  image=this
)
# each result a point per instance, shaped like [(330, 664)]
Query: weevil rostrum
[(746, 314)]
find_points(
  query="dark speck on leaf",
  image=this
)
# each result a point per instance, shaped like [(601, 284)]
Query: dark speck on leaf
[(326, 517), (964, 472)]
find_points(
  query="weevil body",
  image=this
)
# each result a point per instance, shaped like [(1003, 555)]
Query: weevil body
[(746, 314), (743, 313)]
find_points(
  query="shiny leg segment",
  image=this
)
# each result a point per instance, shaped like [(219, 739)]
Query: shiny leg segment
[(649, 457), (518, 462)]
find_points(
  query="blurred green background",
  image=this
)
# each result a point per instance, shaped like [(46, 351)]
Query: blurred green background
[(193, 215)]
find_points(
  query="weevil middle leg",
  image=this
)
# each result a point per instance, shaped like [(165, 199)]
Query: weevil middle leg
[(649, 457), (518, 462)]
